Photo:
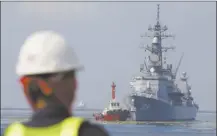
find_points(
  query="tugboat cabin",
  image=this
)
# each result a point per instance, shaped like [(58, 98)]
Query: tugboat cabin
[(113, 105)]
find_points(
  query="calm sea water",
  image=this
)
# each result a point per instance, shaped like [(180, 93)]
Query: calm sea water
[(204, 125)]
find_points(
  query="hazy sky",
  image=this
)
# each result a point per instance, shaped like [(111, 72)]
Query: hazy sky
[(106, 37)]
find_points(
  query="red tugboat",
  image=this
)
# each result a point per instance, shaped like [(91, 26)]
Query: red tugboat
[(114, 112)]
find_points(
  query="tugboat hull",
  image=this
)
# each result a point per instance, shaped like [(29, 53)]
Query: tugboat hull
[(113, 116)]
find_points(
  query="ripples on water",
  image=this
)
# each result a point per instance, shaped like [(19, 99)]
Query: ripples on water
[(205, 125)]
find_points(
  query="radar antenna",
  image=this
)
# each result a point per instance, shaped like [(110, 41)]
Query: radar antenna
[(158, 13), (177, 68), (156, 49)]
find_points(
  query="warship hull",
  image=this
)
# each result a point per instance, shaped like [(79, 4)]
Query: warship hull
[(151, 109)]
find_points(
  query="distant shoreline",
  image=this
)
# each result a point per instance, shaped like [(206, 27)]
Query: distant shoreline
[(85, 109)]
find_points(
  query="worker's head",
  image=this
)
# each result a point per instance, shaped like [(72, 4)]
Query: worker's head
[(47, 67)]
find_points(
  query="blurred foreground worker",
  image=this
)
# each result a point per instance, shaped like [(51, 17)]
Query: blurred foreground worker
[(47, 68)]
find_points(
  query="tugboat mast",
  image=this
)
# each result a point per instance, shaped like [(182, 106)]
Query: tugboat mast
[(113, 90)]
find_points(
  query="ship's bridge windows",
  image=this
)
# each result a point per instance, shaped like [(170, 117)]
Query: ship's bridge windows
[(115, 104)]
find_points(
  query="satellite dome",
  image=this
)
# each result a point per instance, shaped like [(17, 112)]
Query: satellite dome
[(155, 40)]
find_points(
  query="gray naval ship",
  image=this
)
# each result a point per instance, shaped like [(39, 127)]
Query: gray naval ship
[(157, 94)]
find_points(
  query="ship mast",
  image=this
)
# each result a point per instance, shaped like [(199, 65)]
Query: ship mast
[(156, 49), (113, 90)]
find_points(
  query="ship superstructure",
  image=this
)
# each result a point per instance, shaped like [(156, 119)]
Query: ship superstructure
[(157, 93)]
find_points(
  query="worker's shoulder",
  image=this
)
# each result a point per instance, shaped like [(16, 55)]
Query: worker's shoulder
[(88, 128), (13, 129)]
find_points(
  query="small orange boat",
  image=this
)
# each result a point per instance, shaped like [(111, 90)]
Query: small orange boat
[(114, 112)]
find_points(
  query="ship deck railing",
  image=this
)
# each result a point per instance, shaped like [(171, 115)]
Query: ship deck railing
[(145, 94)]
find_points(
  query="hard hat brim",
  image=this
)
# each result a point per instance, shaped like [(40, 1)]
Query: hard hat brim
[(79, 68), (24, 72)]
